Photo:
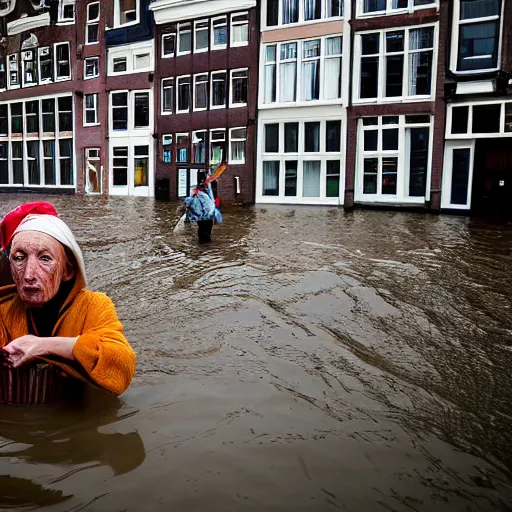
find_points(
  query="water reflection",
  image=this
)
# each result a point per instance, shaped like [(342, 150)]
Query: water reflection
[(67, 436)]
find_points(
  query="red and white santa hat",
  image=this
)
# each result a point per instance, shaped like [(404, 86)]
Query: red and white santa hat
[(40, 216)]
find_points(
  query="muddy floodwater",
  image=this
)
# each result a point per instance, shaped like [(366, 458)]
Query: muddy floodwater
[(308, 360)]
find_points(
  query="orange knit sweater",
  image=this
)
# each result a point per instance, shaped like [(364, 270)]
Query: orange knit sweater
[(103, 356)]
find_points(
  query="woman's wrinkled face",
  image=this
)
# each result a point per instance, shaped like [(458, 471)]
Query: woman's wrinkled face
[(38, 266)]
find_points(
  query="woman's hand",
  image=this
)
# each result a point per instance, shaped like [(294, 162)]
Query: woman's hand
[(27, 348)]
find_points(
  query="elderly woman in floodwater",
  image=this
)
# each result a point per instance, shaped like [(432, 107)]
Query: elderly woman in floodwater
[(48, 315)]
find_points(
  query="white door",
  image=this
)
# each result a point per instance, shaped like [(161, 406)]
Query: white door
[(458, 175)]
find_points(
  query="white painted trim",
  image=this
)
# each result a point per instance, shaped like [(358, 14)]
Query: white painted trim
[(29, 23), (169, 11), (217, 107), (85, 68), (447, 174), (196, 76), (191, 84), (231, 104), (117, 15), (389, 11)]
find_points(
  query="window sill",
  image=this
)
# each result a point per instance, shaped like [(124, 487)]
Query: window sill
[(395, 12), (237, 105), (182, 54), (200, 110), (388, 101), (183, 112), (302, 104), (166, 113), (91, 77), (92, 124), (474, 71), (170, 56), (239, 45), (30, 85), (125, 25), (217, 107), (302, 23), (201, 50), (237, 162), (63, 79), (93, 43), (220, 47), (46, 82), (63, 23)]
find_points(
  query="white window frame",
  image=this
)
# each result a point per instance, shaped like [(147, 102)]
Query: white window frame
[(58, 78), (231, 140), (434, 4), (112, 63), (52, 56), (189, 147), (446, 187), (142, 53), (34, 53), (88, 60), (299, 60), (117, 14), (301, 20), (239, 24), (90, 22), (16, 60), (206, 27), (402, 154), (191, 84), (169, 55), (90, 158), (212, 106), (131, 100), (457, 23), (469, 133), (62, 5), (164, 86), (212, 33), (188, 28), (130, 53), (231, 73), (211, 141), (381, 85), (196, 81), (95, 109), (111, 109)]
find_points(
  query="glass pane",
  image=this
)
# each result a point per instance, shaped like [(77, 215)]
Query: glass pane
[(291, 137), (508, 117), (390, 140), (486, 118), (34, 177), (460, 116), (312, 9), (272, 13), (371, 169), (311, 179), (370, 44), (478, 46), (374, 5), (333, 136), (169, 43), (141, 110), (272, 138), (290, 11), (141, 172), (369, 77), (371, 138), (394, 75), (420, 73), (270, 178), (395, 42), (4, 163), (418, 162), (389, 175), (333, 178), (290, 185), (312, 137), (460, 176), (470, 9)]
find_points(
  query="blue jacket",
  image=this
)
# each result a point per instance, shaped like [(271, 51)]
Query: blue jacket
[(200, 207)]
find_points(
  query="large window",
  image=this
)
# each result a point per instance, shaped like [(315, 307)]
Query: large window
[(392, 6), (394, 158), (167, 95), (13, 70), (91, 67), (119, 110), (201, 36), (90, 109), (141, 110), (184, 94), (238, 90), (29, 64), (184, 38), (315, 64), (219, 33), (476, 35), (67, 11), (239, 29), (395, 64), (62, 62), (217, 146), (93, 23), (301, 161), (135, 59), (120, 166), (237, 139), (37, 149), (201, 92), (286, 12), (126, 12), (45, 64), (168, 45), (219, 88)]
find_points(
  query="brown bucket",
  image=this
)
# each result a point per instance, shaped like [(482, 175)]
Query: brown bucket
[(33, 385)]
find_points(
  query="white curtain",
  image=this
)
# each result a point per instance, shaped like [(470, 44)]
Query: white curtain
[(270, 178), (332, 78), (310, 9), (290, 11), (309, 80), (334, 8), (240, 33), (288, 82), (270, 83), (311, 179)]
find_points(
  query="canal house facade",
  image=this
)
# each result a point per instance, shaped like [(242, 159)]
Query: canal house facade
[(396, 113), (303, 95), (206, 89), (478, 156)]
